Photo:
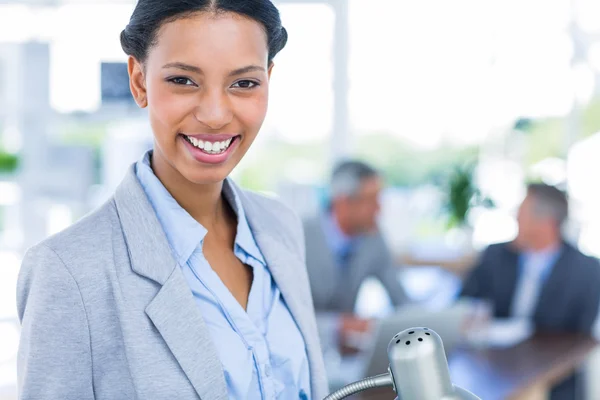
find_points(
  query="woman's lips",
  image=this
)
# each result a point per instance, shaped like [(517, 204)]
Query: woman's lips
[(212, 148)]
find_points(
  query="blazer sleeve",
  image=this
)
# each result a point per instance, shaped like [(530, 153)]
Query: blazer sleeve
[(54, 357)]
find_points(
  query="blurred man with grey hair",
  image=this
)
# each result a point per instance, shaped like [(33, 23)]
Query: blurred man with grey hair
[(540, 277), (344, 247)]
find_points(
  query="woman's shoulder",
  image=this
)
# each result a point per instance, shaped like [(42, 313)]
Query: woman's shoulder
[(84, 239)]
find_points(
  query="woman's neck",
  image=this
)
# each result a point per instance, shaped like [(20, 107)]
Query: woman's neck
[(202, 201)]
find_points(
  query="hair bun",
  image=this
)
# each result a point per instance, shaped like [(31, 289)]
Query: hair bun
[(279, 41), (284, 37)]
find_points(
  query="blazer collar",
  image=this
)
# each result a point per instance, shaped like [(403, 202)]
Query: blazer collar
[(560, 273), (173, 310), (149, 249)]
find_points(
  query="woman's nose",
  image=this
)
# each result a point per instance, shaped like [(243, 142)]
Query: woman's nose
[(214, 110)]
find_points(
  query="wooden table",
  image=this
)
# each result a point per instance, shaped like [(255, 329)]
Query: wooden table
[(459, 266), (526, 371)]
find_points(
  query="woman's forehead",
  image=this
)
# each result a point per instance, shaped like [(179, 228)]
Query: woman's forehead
[(226, 39)]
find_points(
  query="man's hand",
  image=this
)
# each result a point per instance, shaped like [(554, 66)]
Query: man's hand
[(352, 332)]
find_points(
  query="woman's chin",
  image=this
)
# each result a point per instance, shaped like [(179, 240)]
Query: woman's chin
[(201, 175)]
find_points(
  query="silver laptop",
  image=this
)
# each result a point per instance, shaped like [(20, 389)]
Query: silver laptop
[(447, 323)]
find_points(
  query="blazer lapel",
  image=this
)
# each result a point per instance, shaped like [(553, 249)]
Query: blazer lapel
[(173, 310), (324, 263), (178, 319), (553, 287), (288, 271), (285, 270), (507, 283), (351, 276)]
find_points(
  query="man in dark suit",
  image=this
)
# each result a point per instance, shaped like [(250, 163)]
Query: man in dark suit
[(539, 276)]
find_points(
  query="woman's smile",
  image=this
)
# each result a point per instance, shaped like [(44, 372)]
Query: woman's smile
[(211, 148)]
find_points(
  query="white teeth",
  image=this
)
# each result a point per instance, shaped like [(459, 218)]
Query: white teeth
[(211, 147)]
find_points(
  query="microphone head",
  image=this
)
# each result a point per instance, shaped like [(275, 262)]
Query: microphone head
[(419, 367)]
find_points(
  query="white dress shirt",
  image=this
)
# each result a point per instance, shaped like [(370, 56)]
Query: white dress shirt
[(534, 268)]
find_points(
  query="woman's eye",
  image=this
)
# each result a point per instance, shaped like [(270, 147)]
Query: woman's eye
[(181, 81), (245, 84)]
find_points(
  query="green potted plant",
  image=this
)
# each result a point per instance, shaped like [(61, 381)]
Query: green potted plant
[(462, 195), (8, 162)]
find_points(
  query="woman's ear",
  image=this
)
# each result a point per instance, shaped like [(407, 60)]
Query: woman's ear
[(137, 81)]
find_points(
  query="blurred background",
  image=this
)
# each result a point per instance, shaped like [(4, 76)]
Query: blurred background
[(459, 104)]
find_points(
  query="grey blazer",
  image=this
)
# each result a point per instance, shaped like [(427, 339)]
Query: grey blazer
[(336, 291), (107, 314)]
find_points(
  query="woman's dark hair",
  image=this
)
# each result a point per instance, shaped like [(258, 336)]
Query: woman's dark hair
[(149, 15)]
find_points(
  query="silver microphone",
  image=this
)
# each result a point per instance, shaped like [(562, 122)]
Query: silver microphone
[(418, 370)]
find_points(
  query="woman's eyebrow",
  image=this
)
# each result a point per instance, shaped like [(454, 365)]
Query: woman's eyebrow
[(198, 70)]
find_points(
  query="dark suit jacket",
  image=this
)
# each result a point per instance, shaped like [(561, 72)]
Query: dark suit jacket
[(568, 301)]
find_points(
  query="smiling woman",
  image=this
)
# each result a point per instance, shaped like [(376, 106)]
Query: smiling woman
[(204, 74), (182, 285)]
